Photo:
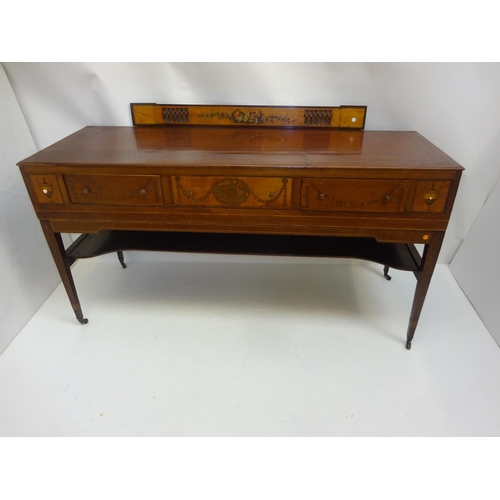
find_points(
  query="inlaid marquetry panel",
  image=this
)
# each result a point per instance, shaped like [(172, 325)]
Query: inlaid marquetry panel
[(345, 117), (254, 192), (47, 188), (431, 196)]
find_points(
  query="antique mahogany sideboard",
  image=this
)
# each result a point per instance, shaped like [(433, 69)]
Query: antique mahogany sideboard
[(246, 179)]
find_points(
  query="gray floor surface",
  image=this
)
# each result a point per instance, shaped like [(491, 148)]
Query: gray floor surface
[(251, 348)]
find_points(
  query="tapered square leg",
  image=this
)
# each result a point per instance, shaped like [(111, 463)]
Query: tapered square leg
[(429, 260), (121, 259), (56, 246)]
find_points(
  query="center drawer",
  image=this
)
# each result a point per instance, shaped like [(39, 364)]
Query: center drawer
[(131, 190), (251, 192), (363, 195)]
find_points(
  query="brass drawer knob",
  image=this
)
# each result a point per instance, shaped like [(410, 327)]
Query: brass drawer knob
[(86, 190), (271, 195), (46, 189), (386, 198), (430, 196), (142, 191), (321, 196)]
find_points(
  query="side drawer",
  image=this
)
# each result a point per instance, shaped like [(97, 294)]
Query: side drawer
[(251, 192), (431, 196), (47, 188), (363, 195), (132, 190)]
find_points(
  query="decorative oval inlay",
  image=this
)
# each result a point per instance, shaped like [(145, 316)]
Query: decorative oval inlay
[(231, 191)]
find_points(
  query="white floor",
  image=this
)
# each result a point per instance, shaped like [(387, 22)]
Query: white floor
[(241, 348)]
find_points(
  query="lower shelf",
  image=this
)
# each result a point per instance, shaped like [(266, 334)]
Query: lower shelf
[(395, 255)]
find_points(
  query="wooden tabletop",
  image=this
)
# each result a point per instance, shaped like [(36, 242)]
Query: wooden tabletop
[(233, 146)]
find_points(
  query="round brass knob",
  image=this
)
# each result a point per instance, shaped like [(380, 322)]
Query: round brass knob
[(86, 190), (430, 196), (142, 191), (386, 198), (321, 196), (191, 194), (271, 195)]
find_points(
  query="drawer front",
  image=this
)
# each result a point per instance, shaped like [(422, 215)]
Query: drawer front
[(431, 196), (355, 195), (131, 190), (250, 192), (47, 189)]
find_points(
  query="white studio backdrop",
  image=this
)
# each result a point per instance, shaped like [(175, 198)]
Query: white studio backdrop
[(454, 105), (27, 272), (476, 266)]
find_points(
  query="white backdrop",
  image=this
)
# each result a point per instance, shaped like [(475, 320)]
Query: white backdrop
[(455, 105), (476, 266), (27, 273)]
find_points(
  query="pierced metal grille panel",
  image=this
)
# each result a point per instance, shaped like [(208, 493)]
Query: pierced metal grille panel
[(317, 117), (175, 115)]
